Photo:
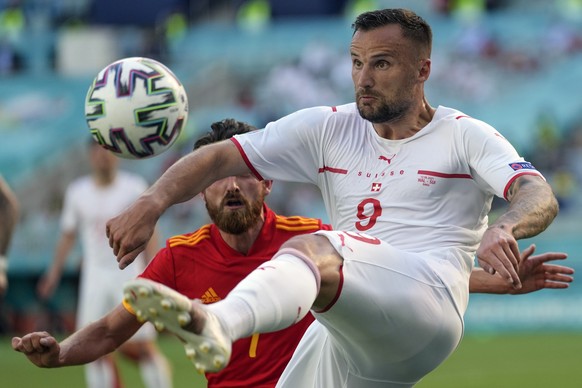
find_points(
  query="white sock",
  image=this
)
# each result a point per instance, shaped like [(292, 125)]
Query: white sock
[(276, 295), (101, 373), (155, 372)]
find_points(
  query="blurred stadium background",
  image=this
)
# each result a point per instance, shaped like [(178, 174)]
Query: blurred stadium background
[(516, 64)]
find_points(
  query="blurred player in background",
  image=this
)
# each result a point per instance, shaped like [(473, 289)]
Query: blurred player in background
[(9, 210), (408, 188), (89, 202), (207, 263)]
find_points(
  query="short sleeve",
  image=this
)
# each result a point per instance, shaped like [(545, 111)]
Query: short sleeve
[(493, 160), (288, 149)]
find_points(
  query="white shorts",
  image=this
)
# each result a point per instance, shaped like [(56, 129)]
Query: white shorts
[(101, 292), (393, 322)]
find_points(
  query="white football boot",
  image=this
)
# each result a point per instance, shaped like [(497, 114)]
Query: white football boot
[(169, 310)]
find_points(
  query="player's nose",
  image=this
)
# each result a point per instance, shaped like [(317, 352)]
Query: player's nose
[(363, 78), (232, 184)]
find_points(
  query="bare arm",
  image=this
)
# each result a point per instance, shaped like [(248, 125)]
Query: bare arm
[(49, 281), (532, 207), (9, 211), (534, 272), (88, 344), (130, 231)]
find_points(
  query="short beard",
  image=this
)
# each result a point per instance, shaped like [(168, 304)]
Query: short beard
[(385, 113), (240, 220)]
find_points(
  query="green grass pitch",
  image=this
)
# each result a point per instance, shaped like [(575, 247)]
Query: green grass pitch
[(532, 360)]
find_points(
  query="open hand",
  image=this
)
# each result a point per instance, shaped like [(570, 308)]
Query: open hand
[(536, 274)]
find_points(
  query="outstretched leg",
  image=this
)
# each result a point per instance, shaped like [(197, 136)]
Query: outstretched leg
[(276, 295)]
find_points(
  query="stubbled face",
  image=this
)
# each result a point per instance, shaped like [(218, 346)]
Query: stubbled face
[(387, 71), (235, 204)]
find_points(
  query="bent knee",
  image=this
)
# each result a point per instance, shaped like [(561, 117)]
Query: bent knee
[(328, 261), (312, 245)]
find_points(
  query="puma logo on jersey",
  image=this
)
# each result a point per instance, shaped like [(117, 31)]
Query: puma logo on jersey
[(387, 159)]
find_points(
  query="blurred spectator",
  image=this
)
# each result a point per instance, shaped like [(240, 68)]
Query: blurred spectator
[(468, 78), (564, 187), (254, 15), (12, 22), (300, 84), (355, 7), (477, 41), (573, 152), (569, 9), (10, 59), (176, 26), (561, 39), (466, 8), (546, 152)]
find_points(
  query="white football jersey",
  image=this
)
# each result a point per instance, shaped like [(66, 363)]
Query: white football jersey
[(423, 193), (426, 197), (87, 208)]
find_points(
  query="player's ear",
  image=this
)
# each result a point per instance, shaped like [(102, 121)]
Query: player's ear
[(268, 184), (424, 69)]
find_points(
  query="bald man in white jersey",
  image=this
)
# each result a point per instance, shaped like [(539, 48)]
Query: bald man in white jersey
[(407, 187)]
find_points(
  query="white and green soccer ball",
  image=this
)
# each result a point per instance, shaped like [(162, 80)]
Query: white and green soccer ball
[(136, 108)]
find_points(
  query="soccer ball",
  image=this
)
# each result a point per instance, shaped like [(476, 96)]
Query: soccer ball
[(136, 108)]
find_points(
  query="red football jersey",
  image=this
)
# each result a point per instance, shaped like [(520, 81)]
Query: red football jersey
[(202, 266)]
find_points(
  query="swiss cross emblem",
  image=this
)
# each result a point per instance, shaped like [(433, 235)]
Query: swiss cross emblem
[(376, 186)]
